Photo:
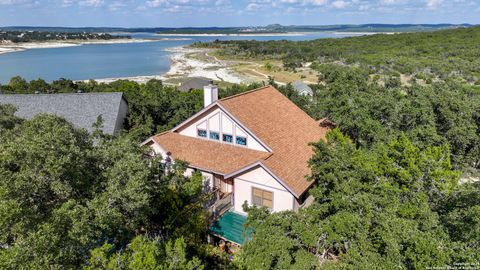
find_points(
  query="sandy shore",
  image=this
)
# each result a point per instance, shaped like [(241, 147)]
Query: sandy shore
[(15, 47), (139, 79), (182, 66)]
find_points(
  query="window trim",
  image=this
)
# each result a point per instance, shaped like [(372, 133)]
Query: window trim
[(225, 141), (246, 141), (214, 132), (198, 133), (262, 190)]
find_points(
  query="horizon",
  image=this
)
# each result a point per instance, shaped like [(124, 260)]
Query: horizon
[(237, 26), (229, 13)]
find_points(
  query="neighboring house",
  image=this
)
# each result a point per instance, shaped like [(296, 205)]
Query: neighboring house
[(302, 88), (193, 83), (252, 146), (80, 109)]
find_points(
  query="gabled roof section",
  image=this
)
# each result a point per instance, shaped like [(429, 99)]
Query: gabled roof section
[(211, 107), (208, 155), (80, 109), (284, 127)]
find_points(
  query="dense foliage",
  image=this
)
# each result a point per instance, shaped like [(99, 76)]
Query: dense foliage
[(440, 54), (34, 36), (66, 201), (437, 114), (394, 206)]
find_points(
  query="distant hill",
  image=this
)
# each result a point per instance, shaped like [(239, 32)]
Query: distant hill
[(273, 28)]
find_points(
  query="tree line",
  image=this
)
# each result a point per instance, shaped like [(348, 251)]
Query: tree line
[(16, 36)]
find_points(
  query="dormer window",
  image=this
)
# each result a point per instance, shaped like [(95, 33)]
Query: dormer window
[(227, 138), (202, 133), (214, 135), (241, 140)]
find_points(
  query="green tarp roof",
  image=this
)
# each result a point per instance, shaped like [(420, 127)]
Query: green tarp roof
[(230, 227)]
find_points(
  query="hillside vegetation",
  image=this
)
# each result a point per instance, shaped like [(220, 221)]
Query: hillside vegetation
[(33, 36), (453, 53)]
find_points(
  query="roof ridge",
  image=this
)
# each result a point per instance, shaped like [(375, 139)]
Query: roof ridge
[(247, 92), (162, 133)]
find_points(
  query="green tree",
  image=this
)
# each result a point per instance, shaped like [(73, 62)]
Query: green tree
[(18, 84), (8, 120), (144, 253), (38, 85)]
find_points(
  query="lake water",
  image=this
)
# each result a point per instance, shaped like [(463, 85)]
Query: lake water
[(97, 61)]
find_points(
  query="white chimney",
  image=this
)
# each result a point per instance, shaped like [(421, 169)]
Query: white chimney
[(210, 94)]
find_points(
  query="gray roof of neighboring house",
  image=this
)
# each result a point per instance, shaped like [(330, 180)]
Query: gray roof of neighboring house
[(302, 88), (194, 83), (80, 109)]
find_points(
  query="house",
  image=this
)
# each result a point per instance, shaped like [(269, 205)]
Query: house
[(80, 109), (193, 83), (253, 147), (302, 88)]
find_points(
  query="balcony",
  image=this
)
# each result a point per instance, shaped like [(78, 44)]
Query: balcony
[(229, 227)]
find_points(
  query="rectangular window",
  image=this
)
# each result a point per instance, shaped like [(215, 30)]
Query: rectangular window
[(262, 197), (202, 133), (214, 135), (241, 140), (227, 138)]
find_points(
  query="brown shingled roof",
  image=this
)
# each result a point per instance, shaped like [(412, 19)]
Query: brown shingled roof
[(208, 155), (284, 127)]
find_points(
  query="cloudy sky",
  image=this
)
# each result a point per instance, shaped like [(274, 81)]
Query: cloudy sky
[(149, 13)]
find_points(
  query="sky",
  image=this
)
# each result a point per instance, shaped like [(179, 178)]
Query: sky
[(201, 13)]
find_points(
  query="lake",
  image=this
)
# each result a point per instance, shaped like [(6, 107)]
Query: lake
[(97, 61)]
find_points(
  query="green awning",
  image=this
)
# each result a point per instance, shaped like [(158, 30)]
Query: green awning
[(230, 227)]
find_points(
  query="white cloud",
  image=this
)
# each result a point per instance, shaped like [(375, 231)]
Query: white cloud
[(339, 4), (91, 3), (156, 3), (388, 2), (305, 2), (116, 6), (432, 4)]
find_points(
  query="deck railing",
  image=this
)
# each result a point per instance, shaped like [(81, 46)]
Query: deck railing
[(221, 205)]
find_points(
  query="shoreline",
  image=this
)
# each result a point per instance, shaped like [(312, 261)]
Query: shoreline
[(183, 67), (236, 34), (17, 47)]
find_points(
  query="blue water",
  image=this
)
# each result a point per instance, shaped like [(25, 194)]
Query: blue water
[(97, 61)]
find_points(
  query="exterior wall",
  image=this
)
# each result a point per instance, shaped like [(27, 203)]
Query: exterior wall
[(122, 114), (259, 178), (157, 150), (218, 121)]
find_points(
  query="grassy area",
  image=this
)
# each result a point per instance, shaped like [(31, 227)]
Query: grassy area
[(260, 69)]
